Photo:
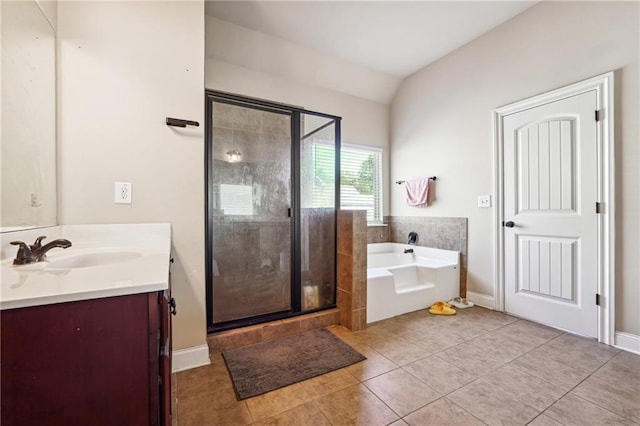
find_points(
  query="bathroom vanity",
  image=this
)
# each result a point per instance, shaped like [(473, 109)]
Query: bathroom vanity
[(93, 353)]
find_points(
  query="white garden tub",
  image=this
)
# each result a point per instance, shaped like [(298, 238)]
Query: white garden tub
[(399, 282)]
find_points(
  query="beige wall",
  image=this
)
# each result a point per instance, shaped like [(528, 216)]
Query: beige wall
[(50, 10), (121, 75), (364, 121), (443, 115), (123, 68), (272, 55)]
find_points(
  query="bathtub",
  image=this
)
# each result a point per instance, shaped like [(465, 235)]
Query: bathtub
[(399, 282)]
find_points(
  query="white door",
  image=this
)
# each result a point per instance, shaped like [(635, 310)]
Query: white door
[(550, 194)]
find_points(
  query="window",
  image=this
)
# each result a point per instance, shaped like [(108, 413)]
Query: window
[(236, 199), (360, 180)]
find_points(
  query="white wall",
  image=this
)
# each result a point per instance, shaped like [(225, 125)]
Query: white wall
[(442, 115), (364, 121), (123, 68)]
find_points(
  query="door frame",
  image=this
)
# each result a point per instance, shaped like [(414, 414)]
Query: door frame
[(603, 86)]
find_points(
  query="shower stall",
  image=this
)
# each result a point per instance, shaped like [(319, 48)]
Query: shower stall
[(271, 209)]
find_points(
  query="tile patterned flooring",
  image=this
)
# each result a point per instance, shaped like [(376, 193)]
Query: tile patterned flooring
[(477, 367)]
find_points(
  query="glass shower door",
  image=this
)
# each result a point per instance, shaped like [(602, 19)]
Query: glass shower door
[(318, 161), (250, 178)]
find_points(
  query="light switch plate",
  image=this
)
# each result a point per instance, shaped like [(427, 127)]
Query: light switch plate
[(484, 201), (123, 193)]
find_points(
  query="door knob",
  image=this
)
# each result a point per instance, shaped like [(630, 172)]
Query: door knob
[(509, 224)]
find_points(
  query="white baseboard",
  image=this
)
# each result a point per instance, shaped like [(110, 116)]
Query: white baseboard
[(185, 359), (481, 299), (627, 342)]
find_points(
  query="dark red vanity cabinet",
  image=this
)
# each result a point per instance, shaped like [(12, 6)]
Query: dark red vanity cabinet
[(92, 362)]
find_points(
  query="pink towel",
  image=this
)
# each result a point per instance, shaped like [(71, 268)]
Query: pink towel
[(418, 191)]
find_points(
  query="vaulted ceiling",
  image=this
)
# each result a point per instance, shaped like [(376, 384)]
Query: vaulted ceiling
[(393, 37)]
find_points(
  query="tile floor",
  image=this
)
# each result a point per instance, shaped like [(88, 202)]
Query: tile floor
[(477, 367)]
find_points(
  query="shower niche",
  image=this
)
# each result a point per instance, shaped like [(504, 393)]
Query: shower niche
[(271, 204)]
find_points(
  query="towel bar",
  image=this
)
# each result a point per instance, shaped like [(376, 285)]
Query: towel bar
[(178, 122), (399, 182)]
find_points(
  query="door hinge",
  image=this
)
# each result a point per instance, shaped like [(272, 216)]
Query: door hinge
[(598, 207), (597, 299), (289, 212), (597, 115)]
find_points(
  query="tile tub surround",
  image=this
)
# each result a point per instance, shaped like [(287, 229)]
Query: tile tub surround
[(447, 233), (474, 368), (41, 283), (378, 234), (352, 269)]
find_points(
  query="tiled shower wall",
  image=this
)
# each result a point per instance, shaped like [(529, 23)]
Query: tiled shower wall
[(251, 226), (250, 279), (447, 233), (251, 230), (318, 248)]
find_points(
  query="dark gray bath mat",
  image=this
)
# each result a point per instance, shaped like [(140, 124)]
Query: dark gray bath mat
[(267, 366)]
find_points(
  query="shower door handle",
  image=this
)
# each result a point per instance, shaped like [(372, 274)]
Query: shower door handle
[(289, 212)]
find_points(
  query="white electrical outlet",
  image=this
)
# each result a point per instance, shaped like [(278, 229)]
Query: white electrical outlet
[(123, 193), (484, 201)]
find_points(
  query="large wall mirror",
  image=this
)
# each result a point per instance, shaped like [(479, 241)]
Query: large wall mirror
[(27, 117)]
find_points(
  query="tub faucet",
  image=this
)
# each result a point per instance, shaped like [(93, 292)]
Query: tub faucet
[(409, 250), (36, 252)]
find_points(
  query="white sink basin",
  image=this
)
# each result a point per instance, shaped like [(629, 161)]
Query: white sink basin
[(87, 260), (105, 260)]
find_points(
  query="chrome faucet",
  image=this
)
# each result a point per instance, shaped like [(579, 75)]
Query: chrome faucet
[(36, 252)]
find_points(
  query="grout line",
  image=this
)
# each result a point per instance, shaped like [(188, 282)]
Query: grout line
[(399, 324), (384, 402), (599, 406), (572, 388), (541, 413), (317, 406), (420, 408), (253, 420), (592, 402)]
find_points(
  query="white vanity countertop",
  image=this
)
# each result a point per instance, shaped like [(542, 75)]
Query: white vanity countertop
[(136, 260)]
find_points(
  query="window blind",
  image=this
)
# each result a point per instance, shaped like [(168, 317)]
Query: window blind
[(360, 180)]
